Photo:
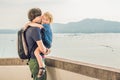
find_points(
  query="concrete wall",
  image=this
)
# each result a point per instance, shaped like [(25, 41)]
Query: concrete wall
[(14, 69), (64, 69), (89, 70), (60, 74)]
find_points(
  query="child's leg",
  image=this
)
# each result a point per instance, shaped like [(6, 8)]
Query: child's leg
[(38, 57), (40, 62)]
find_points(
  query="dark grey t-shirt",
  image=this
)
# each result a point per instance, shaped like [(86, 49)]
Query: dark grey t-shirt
[(32, 35)]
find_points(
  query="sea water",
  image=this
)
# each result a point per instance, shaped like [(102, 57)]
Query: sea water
[(96, 48), (8, 45)]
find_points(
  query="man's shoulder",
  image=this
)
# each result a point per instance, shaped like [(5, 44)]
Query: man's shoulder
[(33, 28)]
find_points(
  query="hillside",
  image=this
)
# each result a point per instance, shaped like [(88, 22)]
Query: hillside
[(84, 26), (88, 26)]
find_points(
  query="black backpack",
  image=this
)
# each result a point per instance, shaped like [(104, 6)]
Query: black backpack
[(22, 45)]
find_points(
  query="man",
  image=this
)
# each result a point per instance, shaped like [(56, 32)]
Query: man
[(34, 40)]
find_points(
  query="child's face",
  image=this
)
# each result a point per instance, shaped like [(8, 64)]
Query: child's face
[(45, 20)]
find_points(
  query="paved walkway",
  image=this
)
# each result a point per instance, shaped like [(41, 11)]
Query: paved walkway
[(15, 73)]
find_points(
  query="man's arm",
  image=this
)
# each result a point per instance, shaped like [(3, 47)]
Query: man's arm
[(36, 36), (41, 46)]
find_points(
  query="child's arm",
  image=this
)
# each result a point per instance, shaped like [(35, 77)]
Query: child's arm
[(26, 25), (35, 25)]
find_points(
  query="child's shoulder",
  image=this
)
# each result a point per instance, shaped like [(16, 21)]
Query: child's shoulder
[(46, 25)]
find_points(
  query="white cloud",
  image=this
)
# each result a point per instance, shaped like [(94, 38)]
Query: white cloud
[(15, 11)]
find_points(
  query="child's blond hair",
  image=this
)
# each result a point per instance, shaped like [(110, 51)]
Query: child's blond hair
[(49, 16)]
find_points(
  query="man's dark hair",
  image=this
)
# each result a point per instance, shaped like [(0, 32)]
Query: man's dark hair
[(33, 13)]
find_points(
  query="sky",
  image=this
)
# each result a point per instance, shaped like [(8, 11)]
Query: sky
[(13, 13)]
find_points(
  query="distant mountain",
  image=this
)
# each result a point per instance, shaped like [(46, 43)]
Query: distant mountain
[(84, 26), (88, 26)]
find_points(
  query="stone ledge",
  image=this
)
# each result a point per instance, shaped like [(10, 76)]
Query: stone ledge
[(91, 70), (12, 61)]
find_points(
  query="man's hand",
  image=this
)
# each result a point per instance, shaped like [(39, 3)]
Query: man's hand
[(47, 51)]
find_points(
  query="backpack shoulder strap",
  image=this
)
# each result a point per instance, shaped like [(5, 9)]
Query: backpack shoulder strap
[(24, 40), (26, 46)]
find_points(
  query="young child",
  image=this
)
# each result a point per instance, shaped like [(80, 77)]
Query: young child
[(46, 38)]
